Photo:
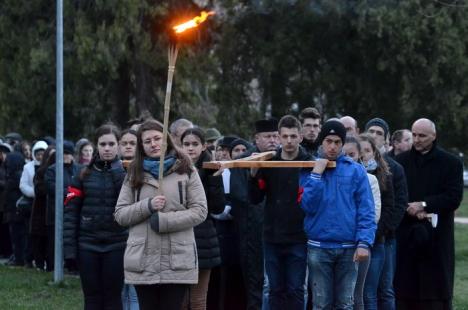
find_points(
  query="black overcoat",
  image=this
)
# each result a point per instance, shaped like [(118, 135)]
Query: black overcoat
[(426, 255)]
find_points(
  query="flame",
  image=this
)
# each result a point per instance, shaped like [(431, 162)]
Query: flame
[(193, 23)]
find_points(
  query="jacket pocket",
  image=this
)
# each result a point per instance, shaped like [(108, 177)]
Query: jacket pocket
[(134, 255), (183, 251)]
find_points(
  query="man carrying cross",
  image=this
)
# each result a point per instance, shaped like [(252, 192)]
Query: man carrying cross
[(339, 223), (284, 240)]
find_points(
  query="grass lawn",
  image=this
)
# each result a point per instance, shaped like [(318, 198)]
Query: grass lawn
[(22, 288), (462, 211), (461, 267), (461, 257), (29, 289)]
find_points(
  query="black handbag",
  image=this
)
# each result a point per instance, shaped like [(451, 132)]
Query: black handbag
[(24, 206)]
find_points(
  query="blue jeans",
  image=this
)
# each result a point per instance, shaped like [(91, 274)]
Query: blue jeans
[(373, 276), (285, 266), (386, 293), (333, 275), (129, 298)]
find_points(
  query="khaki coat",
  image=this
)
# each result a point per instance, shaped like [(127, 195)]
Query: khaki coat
[(161, 246)]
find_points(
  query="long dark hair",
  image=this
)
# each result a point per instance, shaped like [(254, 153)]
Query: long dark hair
[(382, 172), (48, 159), (204, 155), (105, 129), (193, 131), (136, 172)]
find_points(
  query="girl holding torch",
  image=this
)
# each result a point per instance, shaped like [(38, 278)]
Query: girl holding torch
[(161, 256)]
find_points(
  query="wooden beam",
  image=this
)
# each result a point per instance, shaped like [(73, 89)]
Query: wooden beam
[(262, 164), (229, 164), (259, 156)]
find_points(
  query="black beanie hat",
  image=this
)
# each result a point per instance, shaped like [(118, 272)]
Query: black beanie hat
[(240, 141), (226, 141), (68, 147), (378, 122), (332, 127), (266, 125)]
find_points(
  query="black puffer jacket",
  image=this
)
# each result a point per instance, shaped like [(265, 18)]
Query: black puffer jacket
[(206, 236), (89, 211)]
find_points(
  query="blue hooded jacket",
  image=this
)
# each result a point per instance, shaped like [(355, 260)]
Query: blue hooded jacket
[(339, 206)]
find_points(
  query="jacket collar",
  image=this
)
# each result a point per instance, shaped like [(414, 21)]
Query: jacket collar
[(100, 164), (343, 158), (429, 155), (204, 156)]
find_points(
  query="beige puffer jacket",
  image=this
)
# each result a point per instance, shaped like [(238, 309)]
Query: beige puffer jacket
[(168, 255)]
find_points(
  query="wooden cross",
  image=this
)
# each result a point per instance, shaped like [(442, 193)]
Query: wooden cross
[(261, 160)]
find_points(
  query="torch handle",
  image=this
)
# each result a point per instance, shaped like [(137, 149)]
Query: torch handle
[(172, 57)]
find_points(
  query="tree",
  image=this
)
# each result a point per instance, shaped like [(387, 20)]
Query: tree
[(399, 60)]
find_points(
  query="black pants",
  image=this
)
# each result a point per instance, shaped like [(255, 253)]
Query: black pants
[(28, 246), (39, 247), (404, 304), (102, 279), (161, 296), (226, 289), (50, 257), (5, 244), (18, 235), (251, 249)]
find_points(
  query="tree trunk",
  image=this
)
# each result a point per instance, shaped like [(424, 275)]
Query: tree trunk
[(121, 108)]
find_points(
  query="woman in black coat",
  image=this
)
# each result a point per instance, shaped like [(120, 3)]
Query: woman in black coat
[(70, 169), (91, 234), (14, 163), (193, 143), (37, 225)]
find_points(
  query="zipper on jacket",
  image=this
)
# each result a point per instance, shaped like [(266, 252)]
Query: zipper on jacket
[(181, 193)]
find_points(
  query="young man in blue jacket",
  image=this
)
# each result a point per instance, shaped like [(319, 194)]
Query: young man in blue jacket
[(339, 222)]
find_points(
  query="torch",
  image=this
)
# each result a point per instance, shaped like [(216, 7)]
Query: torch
[(172, 58)]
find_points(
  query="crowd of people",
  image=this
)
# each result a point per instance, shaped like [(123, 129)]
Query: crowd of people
[(370, 226)]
